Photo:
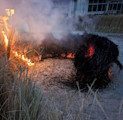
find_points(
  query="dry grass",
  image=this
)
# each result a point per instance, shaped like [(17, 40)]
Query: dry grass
[(101, 23), (21, 99), (110, 23)]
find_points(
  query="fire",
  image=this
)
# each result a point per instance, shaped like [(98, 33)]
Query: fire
[(5, 40), (70, 56), (22, 57), (90, 51), (5, 28), (5, 18)]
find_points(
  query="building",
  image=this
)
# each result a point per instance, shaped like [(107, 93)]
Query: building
[(82, 7)]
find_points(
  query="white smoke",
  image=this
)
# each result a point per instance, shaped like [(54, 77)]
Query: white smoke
[(38, 17)]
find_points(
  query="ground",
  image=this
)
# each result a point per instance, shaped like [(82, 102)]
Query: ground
[(104, 104)]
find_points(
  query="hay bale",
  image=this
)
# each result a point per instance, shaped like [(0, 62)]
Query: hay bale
[(93, 60)]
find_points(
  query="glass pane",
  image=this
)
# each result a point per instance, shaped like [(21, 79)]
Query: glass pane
[(103, 7), (90, 1), (94, 7), (95, 1), (90, 8), (101, 1), (99, 7), (119, 7), (115, 7), (110, 7)]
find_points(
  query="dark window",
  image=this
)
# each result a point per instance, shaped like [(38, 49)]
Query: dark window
[(90, 1), (90, 8), (95, 8), (101, 1), (95, 1), (100, 7), (110, 7), (119, 7), (115, 7), (103, 7)]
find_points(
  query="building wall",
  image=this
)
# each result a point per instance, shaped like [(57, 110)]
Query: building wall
[(82, 7)]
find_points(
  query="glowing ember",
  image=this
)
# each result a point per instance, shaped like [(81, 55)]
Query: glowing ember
[(110, 73), (71, 56), (63, 55), (90, 51), (5, 40), (22, 57)]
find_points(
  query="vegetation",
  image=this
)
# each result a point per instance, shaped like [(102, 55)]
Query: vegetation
[(110, 23), (101, 23)]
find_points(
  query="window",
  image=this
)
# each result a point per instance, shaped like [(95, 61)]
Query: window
[(110, 7), (104, 7), (90, 8), (95, 1), (99, 7), (90, 1), (95, 8), (119, 7), (115, 7)]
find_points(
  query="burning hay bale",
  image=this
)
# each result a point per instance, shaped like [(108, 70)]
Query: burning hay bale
[(62, 48), (93, 61)]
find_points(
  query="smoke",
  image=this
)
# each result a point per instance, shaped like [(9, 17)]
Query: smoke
[(38, 17)]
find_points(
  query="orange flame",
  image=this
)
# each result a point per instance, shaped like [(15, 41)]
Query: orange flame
[(5, 28), (70, 56), (5, 18), (22, 57), (5, 40), (90, 51)]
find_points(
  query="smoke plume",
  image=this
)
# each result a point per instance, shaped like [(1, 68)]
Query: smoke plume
[(38, 17)]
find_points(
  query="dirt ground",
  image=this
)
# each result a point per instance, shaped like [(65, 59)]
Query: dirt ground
[(104, 104)]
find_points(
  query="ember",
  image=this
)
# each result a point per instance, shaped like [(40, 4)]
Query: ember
[(64, 48), (93, 61), (90, 51)]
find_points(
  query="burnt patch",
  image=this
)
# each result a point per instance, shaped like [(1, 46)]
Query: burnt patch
[(93, 60), (62, 48)]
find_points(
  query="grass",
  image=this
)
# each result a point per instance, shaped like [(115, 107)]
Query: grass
[(101, 23), (22, 99), (110, 23)]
